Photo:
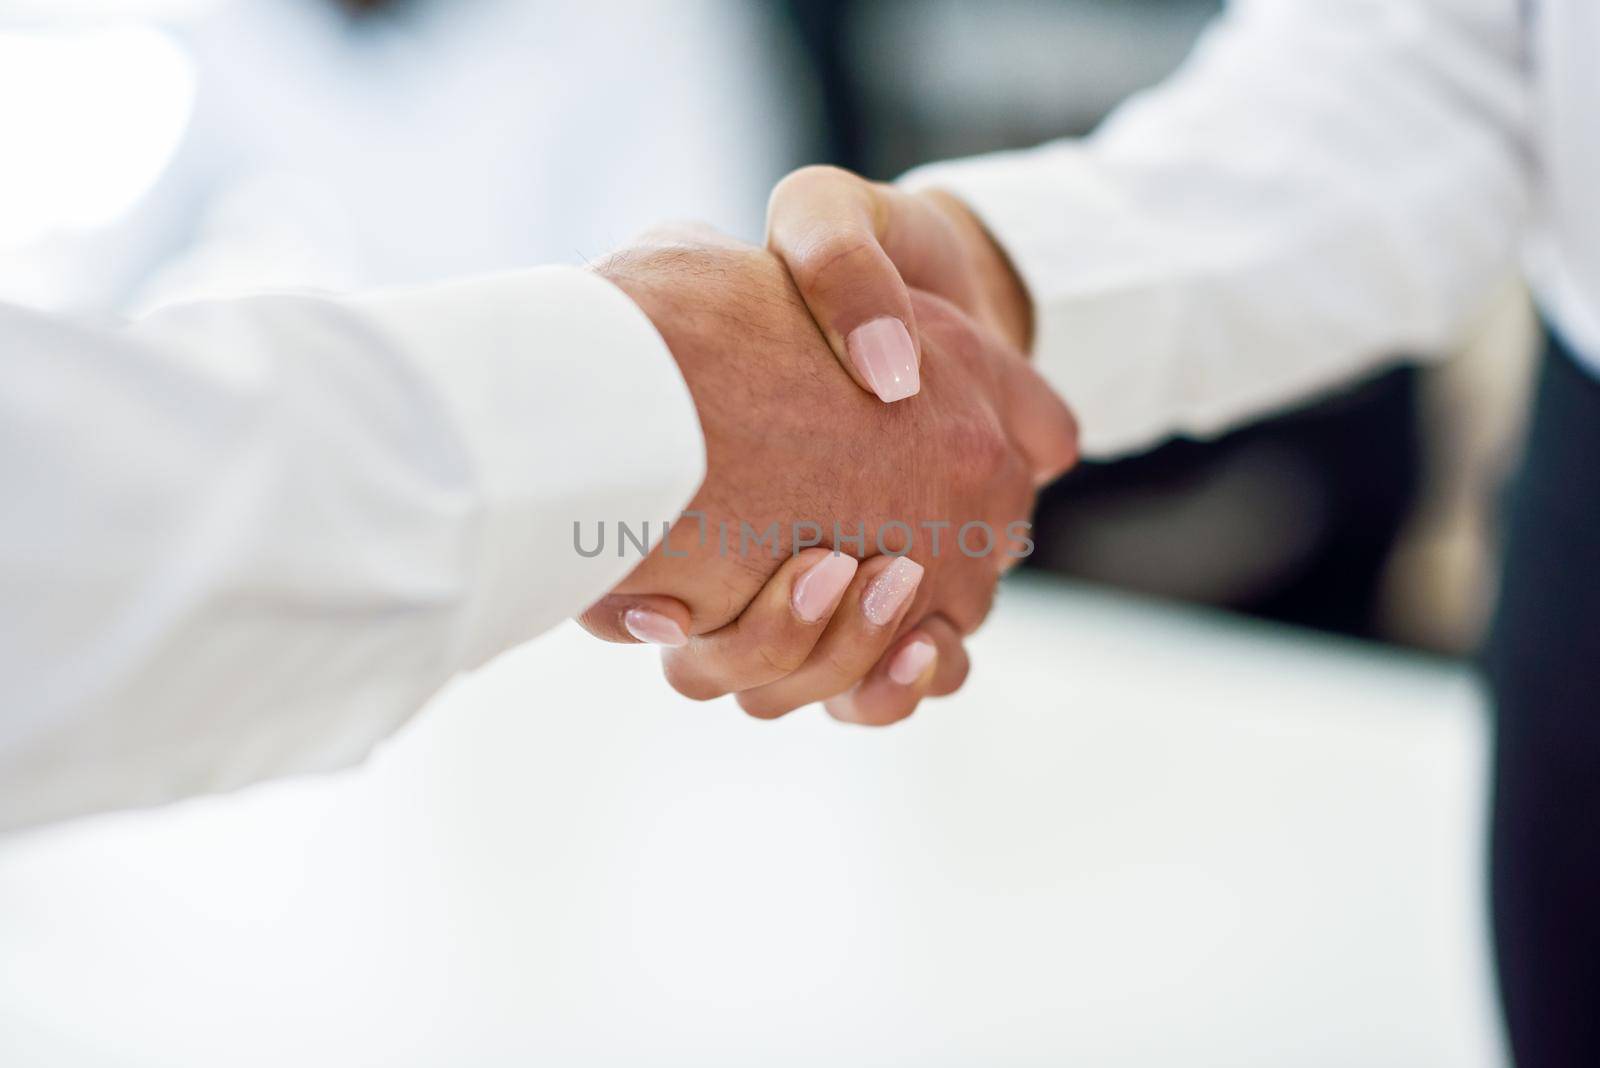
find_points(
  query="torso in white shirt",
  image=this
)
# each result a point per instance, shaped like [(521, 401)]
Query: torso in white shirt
[(1564, 249)]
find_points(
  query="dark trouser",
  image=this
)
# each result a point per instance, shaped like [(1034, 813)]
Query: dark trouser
[(1543, 662)]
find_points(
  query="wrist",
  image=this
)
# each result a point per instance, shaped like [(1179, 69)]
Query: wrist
[(646, 276), (1007, 304)]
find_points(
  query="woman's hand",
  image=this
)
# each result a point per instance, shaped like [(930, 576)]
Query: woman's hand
[(824, 628)]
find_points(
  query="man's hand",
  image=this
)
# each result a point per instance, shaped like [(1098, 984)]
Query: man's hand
[(792, 443), (857, 248)]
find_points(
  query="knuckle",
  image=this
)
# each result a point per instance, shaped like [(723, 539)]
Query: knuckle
[(845, 667), (1015, 490), (872, 711), (952, 680), (889, 714), (758, 707), (780, 658), (731, 585), (975, 604), (981, 449), (691, 681), (830, 257), (808, 178), (958, 676), (984, 608), (955, 334)]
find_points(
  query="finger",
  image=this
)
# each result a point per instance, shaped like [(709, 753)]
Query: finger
[(950, 673), (632, 618), (698, 571), (773, 635), (861, 630), (929, 661), (826, 225), (1037, 420)]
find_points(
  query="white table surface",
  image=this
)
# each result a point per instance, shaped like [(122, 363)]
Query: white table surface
[(1142, 836)]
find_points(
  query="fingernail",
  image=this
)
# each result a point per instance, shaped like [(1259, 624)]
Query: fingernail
[(891, 590), (910, 663), (884, 356), (816, 591), (653, 627)]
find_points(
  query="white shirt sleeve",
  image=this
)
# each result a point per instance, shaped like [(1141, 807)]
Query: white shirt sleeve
[(1325, 184), (249, 538)]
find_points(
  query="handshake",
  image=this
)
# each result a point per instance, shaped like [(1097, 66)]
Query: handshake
[(875, 439)]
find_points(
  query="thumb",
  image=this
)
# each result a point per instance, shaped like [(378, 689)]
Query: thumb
[(827, 226)]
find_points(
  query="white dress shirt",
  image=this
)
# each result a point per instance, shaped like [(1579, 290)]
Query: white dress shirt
[(1326, 184), (250, 537)]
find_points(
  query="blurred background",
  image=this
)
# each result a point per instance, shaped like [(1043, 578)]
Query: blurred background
[(158, 150)]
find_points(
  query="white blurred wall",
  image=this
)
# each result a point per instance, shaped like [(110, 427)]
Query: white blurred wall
[(166, 150)]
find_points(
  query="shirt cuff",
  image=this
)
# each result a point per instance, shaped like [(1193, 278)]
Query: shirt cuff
[(571, 411)]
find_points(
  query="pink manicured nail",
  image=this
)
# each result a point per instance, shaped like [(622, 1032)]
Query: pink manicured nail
[(884, 356), (910, 663), (653, 627), (816, 591), (891, 590)]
